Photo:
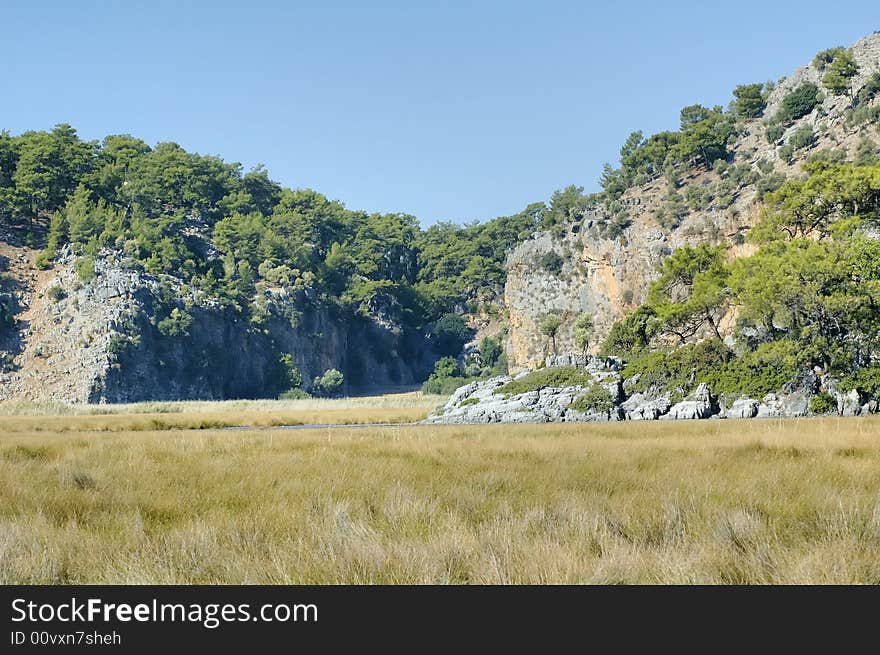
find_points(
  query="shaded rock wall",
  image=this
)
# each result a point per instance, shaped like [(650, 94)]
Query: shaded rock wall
[(98, 341)]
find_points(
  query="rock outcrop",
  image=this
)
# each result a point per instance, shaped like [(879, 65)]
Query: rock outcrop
[(485, 402), (480, 402), (699, 404), (742, 408)]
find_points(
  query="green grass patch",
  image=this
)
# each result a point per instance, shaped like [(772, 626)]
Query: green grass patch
[(553, 376), (595, 399), (823, 403), (445, 386)]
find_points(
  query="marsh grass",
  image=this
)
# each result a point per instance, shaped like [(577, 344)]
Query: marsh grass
[(203, 415), (667, 502), (410, 400)]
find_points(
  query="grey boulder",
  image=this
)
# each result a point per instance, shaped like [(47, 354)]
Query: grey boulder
[(697, 405)]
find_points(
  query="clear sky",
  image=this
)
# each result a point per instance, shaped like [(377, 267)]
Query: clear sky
[(446, 110)]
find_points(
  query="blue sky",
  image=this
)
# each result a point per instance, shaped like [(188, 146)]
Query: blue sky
[(446, 110)]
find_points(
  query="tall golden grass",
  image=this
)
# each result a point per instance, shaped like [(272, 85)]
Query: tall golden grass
[(200, 415), (389, 401), (766, 501)]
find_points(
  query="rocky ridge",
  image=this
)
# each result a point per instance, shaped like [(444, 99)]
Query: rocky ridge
[(481, 401)]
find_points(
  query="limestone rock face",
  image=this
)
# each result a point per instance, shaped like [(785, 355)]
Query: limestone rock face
[(100, 341), (742, 408), (699, 404), (639, 407), (850, 404), (479, 402), (794, 403)]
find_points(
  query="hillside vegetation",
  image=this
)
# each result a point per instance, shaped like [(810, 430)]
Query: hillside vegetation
[(739, 250), (231, 233), (319, 296)]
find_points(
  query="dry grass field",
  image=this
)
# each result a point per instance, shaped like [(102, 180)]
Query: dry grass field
[(201, 415), (793, 501)]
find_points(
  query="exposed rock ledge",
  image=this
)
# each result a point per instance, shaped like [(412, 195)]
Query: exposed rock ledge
[(480, 402)]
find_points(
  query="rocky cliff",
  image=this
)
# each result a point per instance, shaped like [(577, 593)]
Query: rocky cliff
[(607, 270), (98, 340)]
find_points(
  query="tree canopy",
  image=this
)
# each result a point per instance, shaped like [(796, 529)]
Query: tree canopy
[(810, 295), (236, 234)]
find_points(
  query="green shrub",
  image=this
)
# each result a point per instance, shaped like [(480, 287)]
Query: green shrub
[(825, 57), (446, 377), (490, 350), (440, 386), (765, 166), (677, 371), (866, 153), (632, 334), (551, 262), (758, 372), (85, 268), (118, 344), (43, 261), (773, 133), (446, 367), (865, 380), (798, 103), (828, 156), (698, 198), (291, 378), (742, 175), (863, 114), (870, 91), (56, 294), (551, 376), (468, 401), (176, 324), (673, 211), (823, 403), (786, 153), (769, 183), (451, 333), (803, 137), (767, 368), (595, 399), (329, 384)]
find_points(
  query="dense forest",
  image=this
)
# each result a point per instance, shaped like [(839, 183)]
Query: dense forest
[(232, 234)]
